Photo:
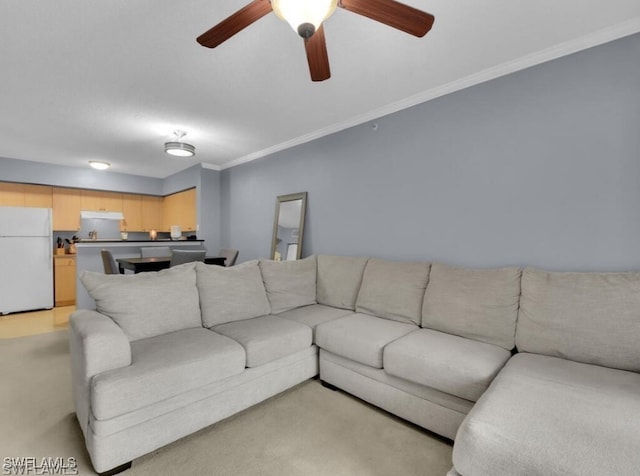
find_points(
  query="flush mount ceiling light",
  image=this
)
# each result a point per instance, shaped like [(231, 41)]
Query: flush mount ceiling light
[(99, 165), (179, 148)]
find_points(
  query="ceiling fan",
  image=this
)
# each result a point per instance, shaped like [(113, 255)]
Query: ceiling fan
[(306, 17)]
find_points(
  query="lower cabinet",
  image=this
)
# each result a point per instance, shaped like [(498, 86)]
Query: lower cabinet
[(65, 280)]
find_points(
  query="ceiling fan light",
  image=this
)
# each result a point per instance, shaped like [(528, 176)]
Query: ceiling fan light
[(304, 16)]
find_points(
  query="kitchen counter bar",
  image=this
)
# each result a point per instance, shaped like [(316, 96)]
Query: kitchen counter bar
[(110, 243)]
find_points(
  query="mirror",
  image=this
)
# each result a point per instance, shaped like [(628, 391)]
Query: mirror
[(288, 227)]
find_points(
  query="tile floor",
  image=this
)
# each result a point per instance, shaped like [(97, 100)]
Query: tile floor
[(30, 323)]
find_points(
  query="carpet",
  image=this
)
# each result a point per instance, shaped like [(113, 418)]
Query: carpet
[(308, 430)]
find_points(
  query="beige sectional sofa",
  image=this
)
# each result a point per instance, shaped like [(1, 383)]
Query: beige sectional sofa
[(165, 354)]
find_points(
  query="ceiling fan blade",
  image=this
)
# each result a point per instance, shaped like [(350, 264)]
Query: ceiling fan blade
[(392, 13), (317, 56), (235, 23)]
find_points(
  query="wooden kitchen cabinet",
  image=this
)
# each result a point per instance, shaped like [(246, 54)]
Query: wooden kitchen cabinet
[(152, 211), (132, 211), (25, 195), (39, 196), (64, 280), (101, 201), (180, 209), (67, 203), (11, 194)]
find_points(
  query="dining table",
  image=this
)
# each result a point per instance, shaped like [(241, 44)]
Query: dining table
[(140, 265)]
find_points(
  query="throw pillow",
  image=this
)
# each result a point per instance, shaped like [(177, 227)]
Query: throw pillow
[(289, 284), (231, 293), (147, 304)]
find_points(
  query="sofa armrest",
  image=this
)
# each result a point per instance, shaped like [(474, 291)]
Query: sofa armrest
[(97, 345)]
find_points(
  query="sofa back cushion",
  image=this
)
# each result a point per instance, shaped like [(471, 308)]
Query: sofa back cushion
[(289, 284), (147, 304), (480, 304), (231, 293), (586, 317), (339, 279), (393, 290)]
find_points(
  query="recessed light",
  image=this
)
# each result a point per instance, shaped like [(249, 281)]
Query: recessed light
[(99, 165)]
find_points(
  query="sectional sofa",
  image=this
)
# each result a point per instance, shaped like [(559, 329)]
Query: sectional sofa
[(165, 354)]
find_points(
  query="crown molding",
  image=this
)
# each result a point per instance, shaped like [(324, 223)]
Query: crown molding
[(206, 165), (596, 38)]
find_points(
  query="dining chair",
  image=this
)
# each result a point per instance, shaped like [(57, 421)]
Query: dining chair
[(110, 265), (186, 256), (230, 256), (155, 252)]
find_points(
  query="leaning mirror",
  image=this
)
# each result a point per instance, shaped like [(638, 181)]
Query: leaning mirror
[(288, 227)]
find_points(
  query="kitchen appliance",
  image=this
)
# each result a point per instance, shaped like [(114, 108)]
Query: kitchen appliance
[(26, 248)]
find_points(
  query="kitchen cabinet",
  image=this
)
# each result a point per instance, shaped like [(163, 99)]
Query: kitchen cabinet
[(67, 203), (64, 273), (152, 211), (102, 201), (25, 195), (11, 194), (180, 209), (39, 196), (132, 211)]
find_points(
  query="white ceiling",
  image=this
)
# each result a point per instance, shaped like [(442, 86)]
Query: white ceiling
[(111, 80)]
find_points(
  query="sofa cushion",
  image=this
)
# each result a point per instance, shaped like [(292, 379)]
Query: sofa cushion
[(393, 290), (586, 317), (231, 293), (289, 284), (147, 304), (451, 364), (548, 416), (361, 337), (165, 366), (314, 315), (339, 279), (480, 304), (267, 338)]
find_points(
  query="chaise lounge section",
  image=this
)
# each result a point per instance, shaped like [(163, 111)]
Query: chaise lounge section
[(165, 354)]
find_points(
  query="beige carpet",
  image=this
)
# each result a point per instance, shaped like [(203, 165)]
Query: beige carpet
[(308, 430)]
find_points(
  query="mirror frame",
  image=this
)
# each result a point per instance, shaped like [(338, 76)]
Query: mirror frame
[(303, 209)]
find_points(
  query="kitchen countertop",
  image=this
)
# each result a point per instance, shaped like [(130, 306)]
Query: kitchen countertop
[(86, 244), (163, 241)]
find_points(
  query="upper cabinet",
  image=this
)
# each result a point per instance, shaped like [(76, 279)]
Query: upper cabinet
[(152, 211), (25, 195), (39, 196), (132, 211), (180, 209), (141, 212), (67, 203), (102, 201)]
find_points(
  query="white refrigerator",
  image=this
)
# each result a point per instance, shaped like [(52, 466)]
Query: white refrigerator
[(26, 261)]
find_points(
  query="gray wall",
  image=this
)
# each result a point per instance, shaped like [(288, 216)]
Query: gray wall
[(541, 167), (25, 171)]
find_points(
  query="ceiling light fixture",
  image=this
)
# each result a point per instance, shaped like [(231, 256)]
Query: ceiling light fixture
[(99, 164), (304, 16), (179, 148)]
